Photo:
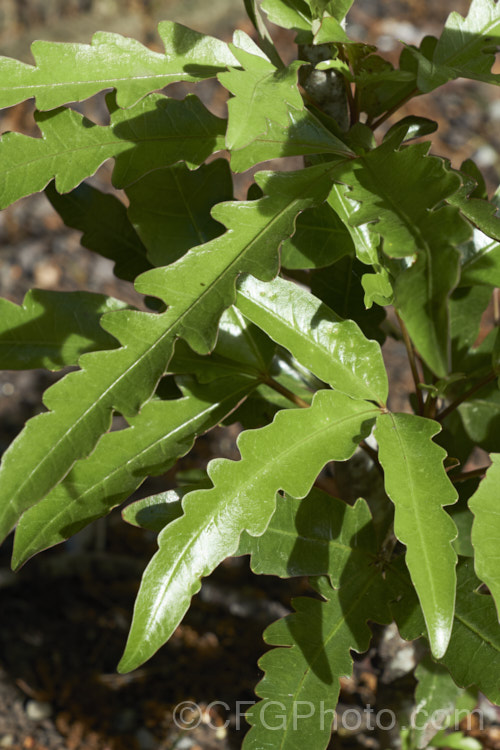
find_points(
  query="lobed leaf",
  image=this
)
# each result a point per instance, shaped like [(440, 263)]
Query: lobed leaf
[(316, 536), (301, 135), (52, 329), (73, 72), (287, 454), (198, 288), (161, 433), (417, 484), (156, 132), (319, 635), (106, 229), (486, 529), (175, 203), (335, 350), (260, 92), (466, 48)]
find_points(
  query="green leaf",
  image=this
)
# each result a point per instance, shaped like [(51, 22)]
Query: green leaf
[(302, 135), (417, 483), (156, 511), (302, 680), (480, 261), (52, 329), (366, 241), (106, 229), (241, 349), (480, 417), (466, 48), (467, 305), (260, 92), (290, 14), (475, 639), (421, 296), (320, 239), (341, 287), (334, 350), (198, 288), (161, 433), (288, 454), (176, 203), (435, 699), (154, 133), (315, 536), (486, 529), (73, 72), (396, 190)]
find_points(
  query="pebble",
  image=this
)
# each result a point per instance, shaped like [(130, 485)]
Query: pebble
[(38, 710), (7, 740)]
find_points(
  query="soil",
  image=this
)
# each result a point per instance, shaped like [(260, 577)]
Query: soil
[(65, 617)]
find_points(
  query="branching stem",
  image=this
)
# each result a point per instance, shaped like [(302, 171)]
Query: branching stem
[(465, 475), (390, 112), (467, 394), (286, 393)]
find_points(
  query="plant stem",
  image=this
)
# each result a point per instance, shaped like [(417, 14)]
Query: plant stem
[(413, 363), (286, 393), (465, 475), (454, 404), (386, 115), (373, 454)]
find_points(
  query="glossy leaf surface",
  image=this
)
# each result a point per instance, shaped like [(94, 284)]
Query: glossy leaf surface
[(163, 431), (416, 482), (287, 454), (334, 350)]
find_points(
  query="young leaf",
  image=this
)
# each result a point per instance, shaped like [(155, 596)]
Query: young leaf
[(52, 329), (416, 482), (315, 536), (260, 92), (157, 132), (106, 229), (176, 203), (198, 288), (334, 350), (486, 529), (73, 72), (161, 433), (287, 454)]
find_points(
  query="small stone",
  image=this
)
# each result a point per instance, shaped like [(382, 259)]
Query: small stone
[(38, 710), (7, 740)]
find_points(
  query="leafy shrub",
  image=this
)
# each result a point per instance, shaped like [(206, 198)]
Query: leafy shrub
[(270, 312)]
